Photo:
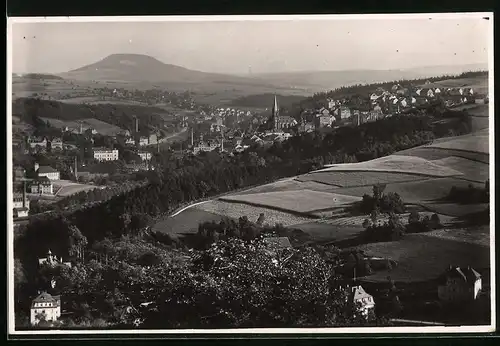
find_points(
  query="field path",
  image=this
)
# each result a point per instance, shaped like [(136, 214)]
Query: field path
[(189, 206)]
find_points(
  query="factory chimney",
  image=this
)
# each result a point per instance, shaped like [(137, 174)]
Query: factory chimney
[(192, 137), (24, 193), (136, 124), (76, 169)]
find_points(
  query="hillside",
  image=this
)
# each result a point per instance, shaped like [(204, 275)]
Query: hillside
[(321, 80), (258, 100)]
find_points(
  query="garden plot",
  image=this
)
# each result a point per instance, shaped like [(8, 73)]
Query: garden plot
[(396, 164), (298, 201), (353, 178), (236, 210)]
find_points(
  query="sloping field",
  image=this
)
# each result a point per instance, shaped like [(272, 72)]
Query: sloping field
[(421, 257), (102, 127), (477, 143), (436, 153), (478, 235), (236, 210), (453, 209), (326, 232), (472, 170), (290, 184), (479, 84), (64, 188), (416, 191), (185, 222), (395, 164), (348, 179), (299, 201)]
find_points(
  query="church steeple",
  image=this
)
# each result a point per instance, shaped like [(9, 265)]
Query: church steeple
[(275, 114)]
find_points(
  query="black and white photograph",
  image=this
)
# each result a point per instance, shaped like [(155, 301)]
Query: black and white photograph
[(250, 174)]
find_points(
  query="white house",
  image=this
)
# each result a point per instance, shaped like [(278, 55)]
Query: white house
[(345, 112), (144, 155), (45, 307), (103, 154), (19, 203), (362, 301), (459, 284), (42, 186), (47, 171), (56, 143)]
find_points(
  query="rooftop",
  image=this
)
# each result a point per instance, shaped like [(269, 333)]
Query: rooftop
[(47, 169)]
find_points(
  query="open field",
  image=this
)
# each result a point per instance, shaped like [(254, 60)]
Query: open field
[(479, 84), (236, 210), (395, 164), (454, 209), (290, 184), (423, 257), (472, 170), (319, 231), (478, 143), (64, 188), (416, 191), (478, 235), (348, 179), (436, 153), (298, 201)]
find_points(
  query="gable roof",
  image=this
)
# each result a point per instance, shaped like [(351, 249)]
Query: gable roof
[(47, 169), (357, 292), (468, 274), (45, 297)]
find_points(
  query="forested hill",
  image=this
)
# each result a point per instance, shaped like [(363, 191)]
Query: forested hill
[(40, 76), (364, 90)]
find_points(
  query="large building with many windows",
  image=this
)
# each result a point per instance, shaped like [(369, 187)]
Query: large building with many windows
[(45, 307), (103, 154)]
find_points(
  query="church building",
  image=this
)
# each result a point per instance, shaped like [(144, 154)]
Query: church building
[(281, 122)]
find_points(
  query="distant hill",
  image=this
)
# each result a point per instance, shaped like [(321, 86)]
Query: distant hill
[(38, 76), (144, 68)]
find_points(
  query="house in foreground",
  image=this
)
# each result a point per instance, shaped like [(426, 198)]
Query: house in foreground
[(363, 302), (459, 284), (45, 307)]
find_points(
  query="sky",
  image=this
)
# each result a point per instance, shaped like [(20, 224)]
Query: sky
[(259, 46)]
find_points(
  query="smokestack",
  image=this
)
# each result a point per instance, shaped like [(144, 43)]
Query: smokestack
[(76, 169), (81, 128), (136, 125), (24, 193), (192, 137)]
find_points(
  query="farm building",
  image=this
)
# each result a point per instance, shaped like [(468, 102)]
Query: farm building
[(459, 284), (362, 301), (45, 307)]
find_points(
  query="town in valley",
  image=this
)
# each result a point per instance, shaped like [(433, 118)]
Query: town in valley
[(147, 195)]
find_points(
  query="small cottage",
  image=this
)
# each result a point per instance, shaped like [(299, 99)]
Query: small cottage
[(459, 285), (362, 301)]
